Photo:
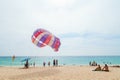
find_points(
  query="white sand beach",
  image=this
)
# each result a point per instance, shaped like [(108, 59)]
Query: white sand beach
[(58, 73)]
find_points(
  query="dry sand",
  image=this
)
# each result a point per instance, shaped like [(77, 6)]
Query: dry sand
[(58, 73)]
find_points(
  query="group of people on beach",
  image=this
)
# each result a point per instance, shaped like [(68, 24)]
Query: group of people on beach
[(98, 68), (105, 68), (44, 63), (93, 63), (55, 63), (26, 65)]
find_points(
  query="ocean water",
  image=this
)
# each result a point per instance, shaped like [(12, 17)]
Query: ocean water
[(62, 60)]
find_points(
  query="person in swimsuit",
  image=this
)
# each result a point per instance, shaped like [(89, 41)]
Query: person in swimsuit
[(105, 68)]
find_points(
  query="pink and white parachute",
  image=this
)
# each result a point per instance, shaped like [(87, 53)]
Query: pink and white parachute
[(42, 37)]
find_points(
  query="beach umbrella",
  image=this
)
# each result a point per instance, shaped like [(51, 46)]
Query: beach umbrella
[(42, 37), (25, 59)]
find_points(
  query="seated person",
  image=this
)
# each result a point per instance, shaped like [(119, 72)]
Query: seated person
[(98, 68), (105, 68)]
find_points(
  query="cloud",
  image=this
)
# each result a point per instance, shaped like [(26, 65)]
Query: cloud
[(90, 35), (87, 25), (94, 16), (69, 35), (91, 44)]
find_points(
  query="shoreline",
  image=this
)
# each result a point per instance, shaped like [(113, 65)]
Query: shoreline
[(110, 65)]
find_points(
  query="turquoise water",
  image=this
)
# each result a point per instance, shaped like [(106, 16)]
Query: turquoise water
[(62, 60)]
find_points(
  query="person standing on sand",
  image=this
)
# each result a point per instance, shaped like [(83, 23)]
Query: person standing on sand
[(54, 62), (90, 63), (34, 64), (49, 63), (26, 64), (44, 64)]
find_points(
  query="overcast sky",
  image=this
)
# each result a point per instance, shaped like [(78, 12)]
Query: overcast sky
[(85, 27)]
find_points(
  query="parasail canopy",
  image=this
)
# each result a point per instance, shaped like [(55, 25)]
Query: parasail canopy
[(42, 37)]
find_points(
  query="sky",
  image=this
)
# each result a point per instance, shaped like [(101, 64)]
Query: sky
[(85, 27)]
